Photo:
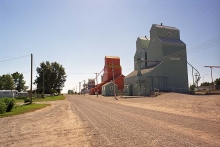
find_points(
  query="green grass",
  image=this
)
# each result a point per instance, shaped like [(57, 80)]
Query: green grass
[(24, 109), (51, 98), (19, 100), (32, 107), (54, 98)]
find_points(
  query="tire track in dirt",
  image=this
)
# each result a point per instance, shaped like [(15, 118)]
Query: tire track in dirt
[(54, 125), (185, 132), (106, 128), (212, 138)]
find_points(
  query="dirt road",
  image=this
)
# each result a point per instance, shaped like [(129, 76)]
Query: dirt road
[(80, 121), (55, 125), (150, 121)]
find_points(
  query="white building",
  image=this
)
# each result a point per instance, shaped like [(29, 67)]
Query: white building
[(8, 93)]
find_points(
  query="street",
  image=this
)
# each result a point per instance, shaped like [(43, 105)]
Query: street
[(112, 123)]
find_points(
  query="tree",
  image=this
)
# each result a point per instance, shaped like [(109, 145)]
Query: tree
[(18, 81), (217, 81), (51, 77), (70, 91), (6, 82), (1, 83), (205, 84)]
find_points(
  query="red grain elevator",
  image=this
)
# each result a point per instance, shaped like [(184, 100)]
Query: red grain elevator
[(111, 63)]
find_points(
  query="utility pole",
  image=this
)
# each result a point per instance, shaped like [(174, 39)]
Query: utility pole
[(96, 78), (79, 86), (192, 76), (84, 83), (43, 83), (31, 75), (84, 87), (113, 80), (211, 73)]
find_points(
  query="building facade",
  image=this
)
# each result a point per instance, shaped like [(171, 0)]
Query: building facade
[(112, 72), (8, 93), (159, 63), (108, 89)]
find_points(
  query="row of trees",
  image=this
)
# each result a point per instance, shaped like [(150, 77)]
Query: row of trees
[(51, 77), (13, 81), (217, 82)]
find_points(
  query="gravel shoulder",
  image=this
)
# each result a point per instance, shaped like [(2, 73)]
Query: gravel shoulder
[(201, 106), (55, 125)]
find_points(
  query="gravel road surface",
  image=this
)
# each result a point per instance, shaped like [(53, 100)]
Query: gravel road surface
[(170, 119), (150, 121)]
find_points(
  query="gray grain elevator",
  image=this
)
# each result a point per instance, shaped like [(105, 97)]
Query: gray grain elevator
[(159, 63)]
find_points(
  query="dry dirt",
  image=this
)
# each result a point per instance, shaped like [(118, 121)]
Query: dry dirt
[(54, 125), (201, 106), (167, 120)]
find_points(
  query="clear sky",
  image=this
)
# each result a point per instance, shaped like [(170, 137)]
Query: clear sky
[(78, 34)]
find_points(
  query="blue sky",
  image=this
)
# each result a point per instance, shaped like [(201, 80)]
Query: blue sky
[(78, 34)]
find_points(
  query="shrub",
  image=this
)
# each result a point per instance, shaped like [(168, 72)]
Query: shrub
[(192, 89), (10, 102), (2, 106), (26, 100)]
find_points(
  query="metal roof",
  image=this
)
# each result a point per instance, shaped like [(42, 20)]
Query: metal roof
[(112, 57), (109, 83), (171, 40), (143, 38), (143, 71), (166, 27), (134, 73)]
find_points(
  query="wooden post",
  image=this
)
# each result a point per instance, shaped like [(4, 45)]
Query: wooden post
[(113, 80), (31, 75)]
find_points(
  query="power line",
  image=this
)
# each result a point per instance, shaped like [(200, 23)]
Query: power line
[(174, 30), (199, 11), (215, 71), (206, 14), (25, 71), (34, 63), (78, 73), (205, 48), (15, 58), (217, 39), (182, 53)]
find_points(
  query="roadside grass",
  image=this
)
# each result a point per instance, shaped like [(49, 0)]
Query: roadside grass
[(24, 109), (32, 107), (50, 98), (19, 100)]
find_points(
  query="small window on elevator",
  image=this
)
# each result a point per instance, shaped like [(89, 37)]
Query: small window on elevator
[(169, 34), (145, 59)]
